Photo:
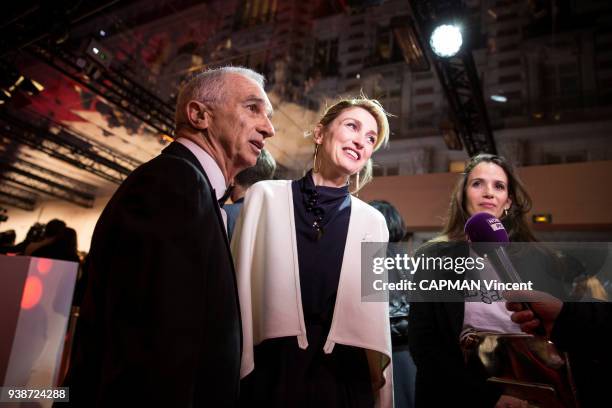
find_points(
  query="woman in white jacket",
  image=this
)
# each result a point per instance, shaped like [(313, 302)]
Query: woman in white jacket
[(309, 340)]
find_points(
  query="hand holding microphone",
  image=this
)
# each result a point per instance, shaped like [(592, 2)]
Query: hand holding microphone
[(543, 310)]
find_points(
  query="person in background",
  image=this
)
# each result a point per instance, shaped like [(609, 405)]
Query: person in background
[(7, 241), (309, 339), (35, 234), (404, 369), (59, 242), (48, 233), (263, 170)]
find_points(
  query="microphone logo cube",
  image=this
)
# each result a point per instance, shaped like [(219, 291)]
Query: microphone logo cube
[(495, 224)]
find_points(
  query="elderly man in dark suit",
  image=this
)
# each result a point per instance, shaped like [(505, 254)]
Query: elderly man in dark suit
[(160, 321)]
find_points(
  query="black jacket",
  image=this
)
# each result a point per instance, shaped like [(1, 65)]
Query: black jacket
[(442, 378), (160, 320), (585, 331)]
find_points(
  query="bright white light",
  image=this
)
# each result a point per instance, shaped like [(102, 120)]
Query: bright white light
[(499, 98), (446, 40), (95, 50), (102, 33)]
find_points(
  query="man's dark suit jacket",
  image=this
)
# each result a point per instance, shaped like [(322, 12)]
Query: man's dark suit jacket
[(160, 321)]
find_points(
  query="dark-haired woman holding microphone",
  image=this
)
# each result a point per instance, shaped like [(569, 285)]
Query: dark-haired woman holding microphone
[(489, 184)]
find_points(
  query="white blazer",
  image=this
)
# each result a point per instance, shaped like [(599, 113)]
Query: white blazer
[(264, 248)]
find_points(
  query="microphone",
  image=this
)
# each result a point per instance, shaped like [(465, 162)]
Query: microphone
[(484, 227)]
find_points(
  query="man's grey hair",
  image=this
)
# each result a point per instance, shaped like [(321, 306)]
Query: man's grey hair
[(207, 86), (263, 170)]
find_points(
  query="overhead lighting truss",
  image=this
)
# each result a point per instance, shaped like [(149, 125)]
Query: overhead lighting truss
[(17, 197), (25, 23), (44, 185), (114, 87), (67, 145), (14, 171), (458, 77)]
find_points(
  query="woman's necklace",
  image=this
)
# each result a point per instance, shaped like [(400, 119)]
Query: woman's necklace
[(311, 198)]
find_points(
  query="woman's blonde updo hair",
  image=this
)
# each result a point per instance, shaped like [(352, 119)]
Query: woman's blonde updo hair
[(380, 115)]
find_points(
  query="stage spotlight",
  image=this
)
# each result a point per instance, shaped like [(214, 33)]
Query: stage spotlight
[(446, 40)]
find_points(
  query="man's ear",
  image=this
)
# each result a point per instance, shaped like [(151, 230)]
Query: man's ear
[(198, 115), (317, 134)]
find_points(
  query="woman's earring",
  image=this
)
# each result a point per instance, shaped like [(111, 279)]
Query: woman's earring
[(314, 160), (505, 212)]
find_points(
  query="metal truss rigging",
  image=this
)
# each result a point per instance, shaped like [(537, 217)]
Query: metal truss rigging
[(44, 186), (45, 181), (61, 178), (68, 146), (114, 87), (458, 77), (17, 197), (25, 23)]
